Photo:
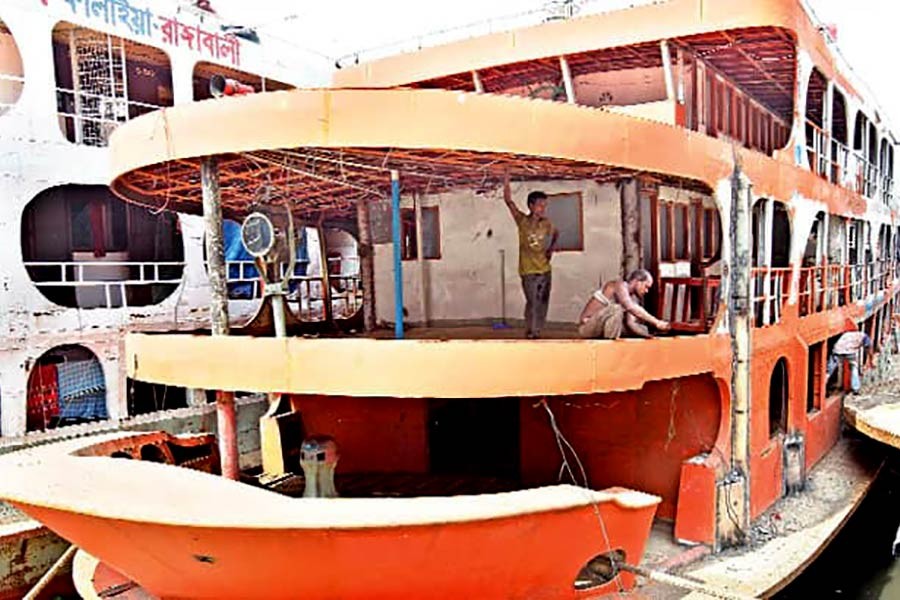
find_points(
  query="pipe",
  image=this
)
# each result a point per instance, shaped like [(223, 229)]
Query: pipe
[(667, 69), (54, 570), (218, 310), (278, 314), (503, 287), (398, 263), (226, 422), (567, 79), (476, 82)]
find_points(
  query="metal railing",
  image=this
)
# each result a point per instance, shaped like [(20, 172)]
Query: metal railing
[(103, 284), (551, 10)]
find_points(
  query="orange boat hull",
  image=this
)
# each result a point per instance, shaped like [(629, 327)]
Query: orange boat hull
[(536, 555)]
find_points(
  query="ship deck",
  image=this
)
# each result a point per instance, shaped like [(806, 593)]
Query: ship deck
[(493, 363)]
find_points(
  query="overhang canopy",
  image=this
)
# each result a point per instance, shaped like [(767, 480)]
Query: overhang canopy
[(325, 150)]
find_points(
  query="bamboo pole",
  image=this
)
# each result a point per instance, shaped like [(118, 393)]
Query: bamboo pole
[(366, 263), (226, 417)]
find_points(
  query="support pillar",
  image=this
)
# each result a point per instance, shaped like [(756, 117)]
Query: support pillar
[(735, 502), (398, 263), (226, 418), (631, 225), (366, 263)]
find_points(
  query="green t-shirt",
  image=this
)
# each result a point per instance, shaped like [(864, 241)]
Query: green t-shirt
[(534, 239)]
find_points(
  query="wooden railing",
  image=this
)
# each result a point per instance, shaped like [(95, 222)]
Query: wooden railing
[(771, 289), (688, 303), (305, 292)]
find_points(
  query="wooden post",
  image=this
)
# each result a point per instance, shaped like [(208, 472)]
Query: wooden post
[(326, 276), (631, 225), (366, 263), (218, 309)]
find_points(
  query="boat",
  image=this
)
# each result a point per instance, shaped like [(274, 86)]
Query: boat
[(729, 153), (83, 267)]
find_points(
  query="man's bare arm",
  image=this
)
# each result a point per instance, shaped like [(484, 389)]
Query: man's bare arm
[(624, 298), (507, 197), (589, 309)]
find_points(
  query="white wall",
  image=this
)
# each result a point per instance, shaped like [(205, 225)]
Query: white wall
[(465, 283)]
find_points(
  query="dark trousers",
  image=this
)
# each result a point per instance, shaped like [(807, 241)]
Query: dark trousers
[(537, 301)]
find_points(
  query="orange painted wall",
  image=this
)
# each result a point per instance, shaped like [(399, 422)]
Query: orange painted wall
[(373, 434), (633, 439)]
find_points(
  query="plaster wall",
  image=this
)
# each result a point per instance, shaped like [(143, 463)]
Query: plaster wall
[(479, 258)]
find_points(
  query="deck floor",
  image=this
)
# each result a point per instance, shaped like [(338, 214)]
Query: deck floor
[(784, 539)]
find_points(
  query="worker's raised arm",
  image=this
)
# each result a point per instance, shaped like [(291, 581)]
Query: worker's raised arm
[(507, 198)]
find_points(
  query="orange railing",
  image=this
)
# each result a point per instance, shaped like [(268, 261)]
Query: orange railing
[(689, 303)]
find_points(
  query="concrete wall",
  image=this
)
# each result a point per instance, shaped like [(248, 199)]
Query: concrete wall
[(465, 283)]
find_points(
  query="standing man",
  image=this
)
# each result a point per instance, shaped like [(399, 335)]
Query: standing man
[(537, 239), (846, 350)]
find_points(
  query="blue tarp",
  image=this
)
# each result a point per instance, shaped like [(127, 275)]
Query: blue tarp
[(235, 251)]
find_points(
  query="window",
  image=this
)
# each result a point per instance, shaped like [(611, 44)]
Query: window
[(682, 231), (98, 224), (815, 386), (409, 246), (778, 398), (665, 233), (104, 80), (712, 234), (11, 73), (431, 232), (564, 211)]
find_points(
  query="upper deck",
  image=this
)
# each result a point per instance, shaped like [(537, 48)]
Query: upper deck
[(764, 77)]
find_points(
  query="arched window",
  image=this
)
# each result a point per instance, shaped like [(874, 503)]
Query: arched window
[(816, 135), (12, 75), (65, 386), (778, 398)]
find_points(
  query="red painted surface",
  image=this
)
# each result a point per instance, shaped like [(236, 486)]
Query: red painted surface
[(695, 519), (226, 420), (534, 555), (373, 434), (634, 439)]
